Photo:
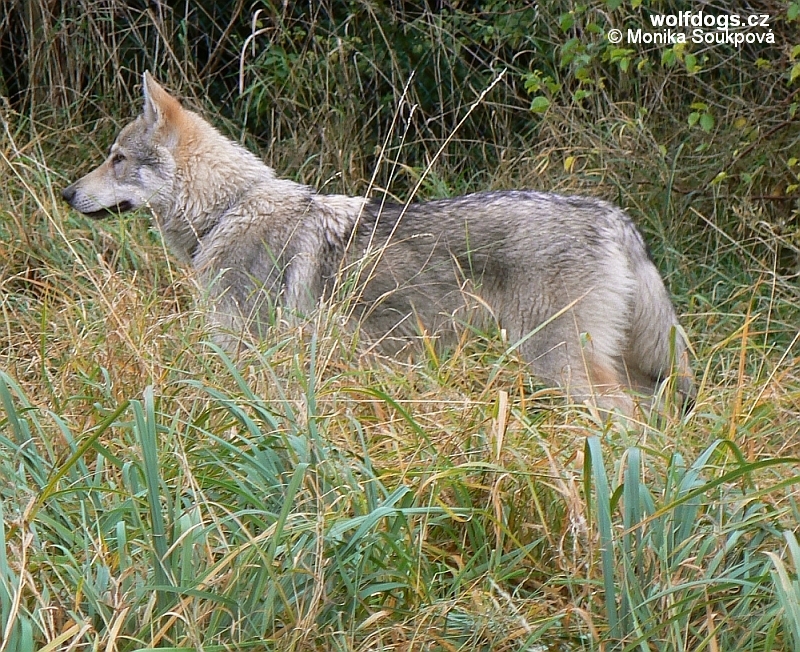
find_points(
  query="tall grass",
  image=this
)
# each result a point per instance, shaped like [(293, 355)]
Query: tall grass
[(156, 494)]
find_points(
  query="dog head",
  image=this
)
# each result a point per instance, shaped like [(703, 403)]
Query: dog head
[(140, 168)]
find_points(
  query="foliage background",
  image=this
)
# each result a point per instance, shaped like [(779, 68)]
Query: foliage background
[(156, 495)]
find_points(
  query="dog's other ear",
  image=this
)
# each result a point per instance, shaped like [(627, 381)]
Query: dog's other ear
[(159, 106)]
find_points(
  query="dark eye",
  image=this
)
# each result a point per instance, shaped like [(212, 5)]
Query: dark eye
[(117, 158)]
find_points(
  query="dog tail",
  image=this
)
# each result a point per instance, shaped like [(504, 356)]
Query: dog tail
[(657, 346)]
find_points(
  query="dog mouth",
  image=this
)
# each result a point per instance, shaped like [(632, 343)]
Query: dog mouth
[(79, 202), (117, 209)]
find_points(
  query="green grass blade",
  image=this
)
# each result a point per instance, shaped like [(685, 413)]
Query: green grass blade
[(788, 588), (147, 431), (594, 466)]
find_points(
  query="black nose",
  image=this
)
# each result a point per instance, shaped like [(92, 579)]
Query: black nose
[(68, 193)]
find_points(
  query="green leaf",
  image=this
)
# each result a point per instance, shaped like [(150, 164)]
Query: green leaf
[(533, 83), (540, 104), (693, 118), (706, 122), (795, 72)]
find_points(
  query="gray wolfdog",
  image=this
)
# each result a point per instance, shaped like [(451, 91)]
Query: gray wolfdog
[(568, 278)]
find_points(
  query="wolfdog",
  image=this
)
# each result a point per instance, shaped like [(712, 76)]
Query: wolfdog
[(568, 278)]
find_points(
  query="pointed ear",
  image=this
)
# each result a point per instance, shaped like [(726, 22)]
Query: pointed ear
[(159, 106)]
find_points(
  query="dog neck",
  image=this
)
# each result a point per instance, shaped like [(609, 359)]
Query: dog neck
[(212, 175)]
